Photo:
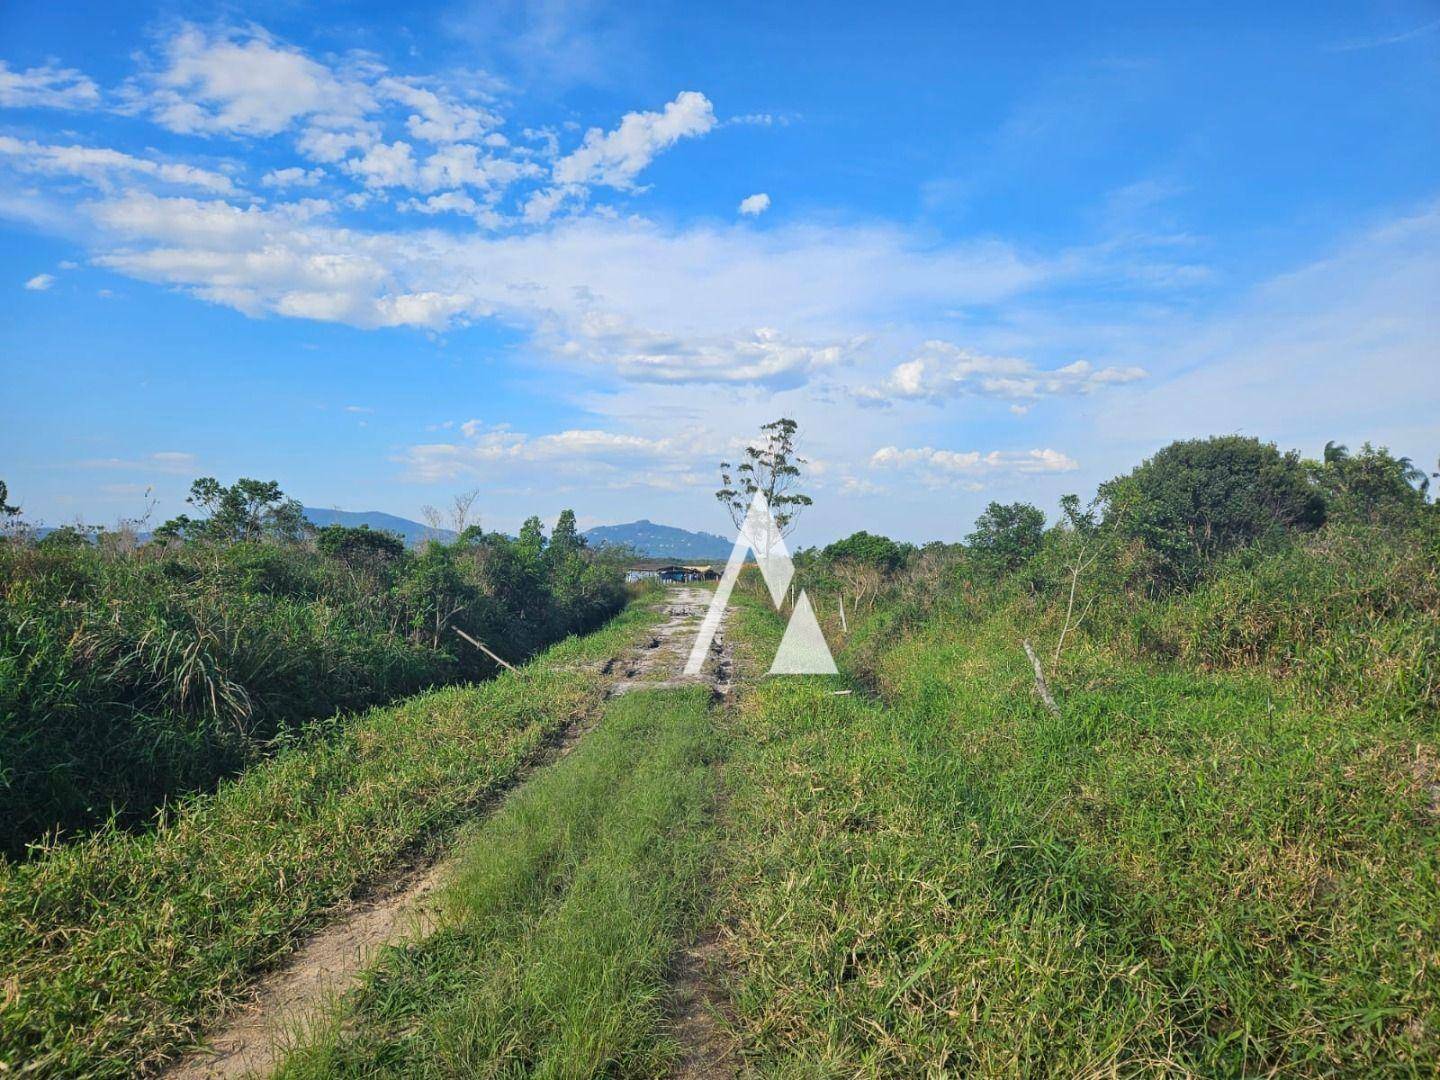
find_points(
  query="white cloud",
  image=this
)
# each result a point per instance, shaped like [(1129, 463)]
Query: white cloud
[(941, 370), (451, 202), (47, 87), (594, 457), (293, 177), (40, 282), (242, 83), (616, 158), (755, 205), (462, 165), (970, 468), (384, 166), (435, 120), (654, 304), (761, 119), (100, 165), (762, 357)]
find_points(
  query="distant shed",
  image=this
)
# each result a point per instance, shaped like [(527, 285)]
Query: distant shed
[(658, 569)]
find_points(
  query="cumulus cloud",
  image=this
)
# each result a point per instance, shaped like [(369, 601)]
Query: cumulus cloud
[(293, 177), (617, 157), (242, 83), (40, 282), (755, 205), (653, 304), (941, 370), (435, 119), (47, 87), (100, 165), (387, 131)]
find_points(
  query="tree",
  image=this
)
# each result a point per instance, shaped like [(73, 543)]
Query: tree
[(771, 467), (460, 507), (6, 510), (1197, 499), (862, 547), (1373, 486), (1080, 531), (566, 538), (246, 510), (532, 537), (69, 537), (1007, 535), (355, 546)]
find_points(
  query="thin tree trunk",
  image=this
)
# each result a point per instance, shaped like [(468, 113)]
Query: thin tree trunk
[(1041, 686)]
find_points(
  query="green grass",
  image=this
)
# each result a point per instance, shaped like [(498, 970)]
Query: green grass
[(565, 913), (130, 678), (1188, 874), (116, 948)]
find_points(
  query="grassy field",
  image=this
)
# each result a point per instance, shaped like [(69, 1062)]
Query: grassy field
[(1203, 874), (116, 948), (565, 913)]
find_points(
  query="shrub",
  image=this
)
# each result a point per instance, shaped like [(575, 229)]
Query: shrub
[(862, 547), (1198, 499), (127, 678), (359, 546), (1006, 536), (1372, 487), (1353, 611)]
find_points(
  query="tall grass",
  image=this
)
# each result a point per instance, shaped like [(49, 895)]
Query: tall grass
[(129, 678), (565, 913), (1189, 872), (115, 948), (1352, 612)]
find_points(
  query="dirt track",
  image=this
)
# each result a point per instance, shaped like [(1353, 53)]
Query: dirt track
[(254, 1039)]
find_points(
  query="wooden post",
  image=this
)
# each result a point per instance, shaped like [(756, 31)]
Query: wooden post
[(844, 626), (483, 649)]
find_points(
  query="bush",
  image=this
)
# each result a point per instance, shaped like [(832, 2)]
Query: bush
[(1372, 487), (127, 678), (1353, 612), (359, 546), (1007, 536), (861, 547), (1198, 499)]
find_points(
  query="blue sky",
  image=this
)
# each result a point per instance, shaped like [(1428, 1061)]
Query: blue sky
[(574, 255)]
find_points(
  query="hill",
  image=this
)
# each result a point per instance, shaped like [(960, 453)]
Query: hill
[(412, 532), (660, 541)]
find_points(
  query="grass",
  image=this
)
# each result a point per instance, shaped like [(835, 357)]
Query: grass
[(1199, 874), (114, 949), (562, 920), (128, 678)]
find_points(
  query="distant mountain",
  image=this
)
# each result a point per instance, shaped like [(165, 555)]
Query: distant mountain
[(661, 541), (412, 532)]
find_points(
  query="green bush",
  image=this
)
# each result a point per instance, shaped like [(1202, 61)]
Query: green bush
[(129, 678), (1199, 499), (862, 547), (1006, 536)]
